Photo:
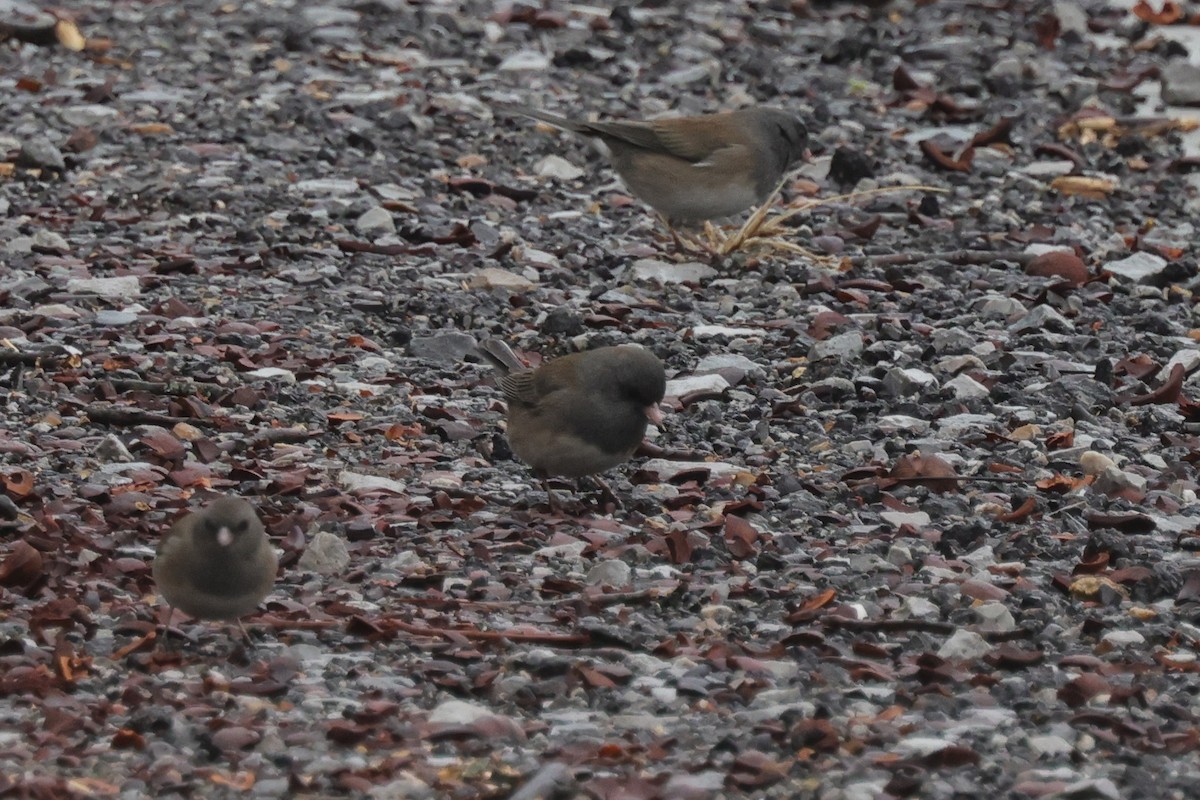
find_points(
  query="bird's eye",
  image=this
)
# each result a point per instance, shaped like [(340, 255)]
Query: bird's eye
[(241, 526)]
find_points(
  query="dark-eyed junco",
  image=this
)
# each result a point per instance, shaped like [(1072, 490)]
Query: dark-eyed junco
[(216, 563), (692, 169), (580, 414)]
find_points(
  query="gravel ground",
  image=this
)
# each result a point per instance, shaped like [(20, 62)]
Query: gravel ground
[(922, 520)]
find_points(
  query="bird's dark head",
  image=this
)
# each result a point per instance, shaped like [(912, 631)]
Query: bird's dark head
[(792, 133), (640, 376), (227, 521)]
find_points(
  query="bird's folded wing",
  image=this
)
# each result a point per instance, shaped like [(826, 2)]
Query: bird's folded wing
[(519, 387)]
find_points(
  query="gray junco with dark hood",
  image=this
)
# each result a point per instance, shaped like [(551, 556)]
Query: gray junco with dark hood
[(692, 169), (216, 563), (580, 414)]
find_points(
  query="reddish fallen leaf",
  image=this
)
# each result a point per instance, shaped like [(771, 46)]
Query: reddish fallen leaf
[(594, 678), (346, 733), (815, 734), (1058, 264), (824, 323), (128, 739), (18, 483), (1046, 29), (1169, 392), (752, 769), (22, 566), (865, 230), (1092, 566), (954, 755), (679, 547), (1082, 689), (1140, 366), (1063, 483), (242, 781), (903, 80), (1190, 591), (1007, 656), (959, 163), (932, 472), (1170, 13), (1021, 512), (1000, 133), (1130, 522), (1061, 440), (740, 537)]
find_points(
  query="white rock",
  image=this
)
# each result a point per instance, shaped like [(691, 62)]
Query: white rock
[(557, 167), (496, 278), (538, 258), (358, 482), (459, 712), (1124, 638), (843, 346), (273, 374), (995, 616), (1137, 267), (917, 608), (705, 331), (571, 550), (1093, 463), (51, 241), (719, 361), (375, 221), (123, 286), (922, 745), (1189, 358), (524, 60), (712, 382), (964, 646), (613, 572), (918, 519), (1049, 745), (967, 388), (326, 186), (649, 269), (899, 422), (326, 554), (981, 557)]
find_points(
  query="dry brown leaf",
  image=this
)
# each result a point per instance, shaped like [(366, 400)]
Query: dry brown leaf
[(1083, 186)]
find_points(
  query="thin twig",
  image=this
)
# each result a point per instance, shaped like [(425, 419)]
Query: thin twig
[(183, 387), (534, 637), (959, 257), (124, 415)]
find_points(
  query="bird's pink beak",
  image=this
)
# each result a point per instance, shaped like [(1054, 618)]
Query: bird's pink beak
[(654, 414), (224, 536)]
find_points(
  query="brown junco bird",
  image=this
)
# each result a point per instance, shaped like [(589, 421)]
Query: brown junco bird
[(692, 169), (580, 414), (216, 563)]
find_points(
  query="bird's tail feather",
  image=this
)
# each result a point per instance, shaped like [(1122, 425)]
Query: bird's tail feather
[(542, 116), (500, 356)]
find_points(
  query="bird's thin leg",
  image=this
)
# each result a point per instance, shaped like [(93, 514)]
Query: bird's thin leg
[(606, 491), (554, 509), (245, 633), (162, 643)]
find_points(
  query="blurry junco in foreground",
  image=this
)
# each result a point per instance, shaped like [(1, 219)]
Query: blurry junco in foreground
[(692, 169), (580, 414), (216, 563)]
